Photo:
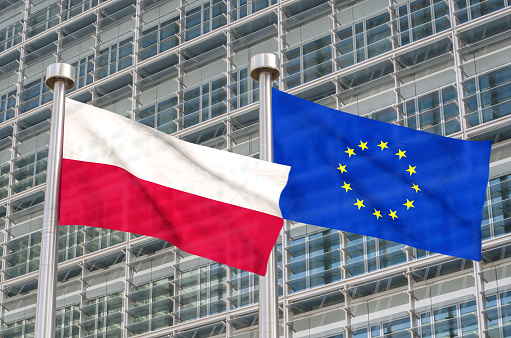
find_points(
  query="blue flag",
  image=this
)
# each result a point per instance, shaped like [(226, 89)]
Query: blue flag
[(382, 180)]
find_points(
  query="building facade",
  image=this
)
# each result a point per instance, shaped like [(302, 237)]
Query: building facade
[(182, 66)]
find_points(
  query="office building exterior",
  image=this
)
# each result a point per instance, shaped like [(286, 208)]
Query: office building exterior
[(441, 66)]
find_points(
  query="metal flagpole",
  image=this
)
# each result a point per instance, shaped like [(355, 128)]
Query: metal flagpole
[(59, 77), (265, 69)]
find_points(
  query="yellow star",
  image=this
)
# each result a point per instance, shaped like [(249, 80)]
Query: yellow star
[(393, 214), (416, 187), (377, 213), (359, 204), (408, 204), (342, 168), (363, 145), (411, 170), (401, 154), (350, 152), (346, 186), (383, 145)]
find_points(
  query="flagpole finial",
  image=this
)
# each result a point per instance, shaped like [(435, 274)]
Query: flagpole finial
[(60, 72), (264, 62)]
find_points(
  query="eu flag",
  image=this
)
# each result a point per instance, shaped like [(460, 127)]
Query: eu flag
[(382, 180)]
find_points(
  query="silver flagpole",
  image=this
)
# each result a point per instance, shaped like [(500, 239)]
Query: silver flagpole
[(265, 69), (59, 77)]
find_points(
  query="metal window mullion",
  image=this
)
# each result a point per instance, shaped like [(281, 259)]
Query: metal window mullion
[(66, 246), (34, 170), (2, 279), (366, 47), (228, 295), (307, 264), (62, 322), (480, 302), (128, 273), (432, 320), (198, 293), (433, 17), (411, 299), (59, 34), (458, 319), (176, 291), (29, 252), (238, 285), (203, 23), (71, 318), (280, 43), (302, 64), (397, 97), (469, 10), (377, 254), (82, 299), (457, 69), (97, 44), (230, 96), (208, 289), (135, 58), (364, 254), (347, 313), (410, 27), (441, 111), (207, 293), (288, 315), (75, 241), (417, 113), (490, 210), (393, 17), (252, 288), (180, 85), (150, 304), (354, 41), (201, 101), (343, 247), (105, 311), (479, 100), (499, 312), (210, 101), (334, 37)]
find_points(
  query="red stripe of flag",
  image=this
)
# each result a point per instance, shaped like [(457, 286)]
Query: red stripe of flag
[(109, 197)]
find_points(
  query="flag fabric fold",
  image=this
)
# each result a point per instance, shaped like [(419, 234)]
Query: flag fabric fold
[(121, 175), (382, 180)]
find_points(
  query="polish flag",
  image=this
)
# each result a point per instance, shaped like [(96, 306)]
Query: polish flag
[(121, 175)]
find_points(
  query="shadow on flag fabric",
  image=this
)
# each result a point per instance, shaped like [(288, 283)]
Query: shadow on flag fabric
[(372, 178)]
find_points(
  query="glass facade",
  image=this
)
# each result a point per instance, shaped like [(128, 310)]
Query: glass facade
[(182, 67)]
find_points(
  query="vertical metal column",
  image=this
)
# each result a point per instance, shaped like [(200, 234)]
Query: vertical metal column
[(458, 70), (265, 69), (59, 77)]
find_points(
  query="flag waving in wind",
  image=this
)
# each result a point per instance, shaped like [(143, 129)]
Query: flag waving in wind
[(121, 175), (335, 170), (372, 178)]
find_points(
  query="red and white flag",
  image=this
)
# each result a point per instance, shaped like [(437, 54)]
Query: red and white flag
[(121, 175)]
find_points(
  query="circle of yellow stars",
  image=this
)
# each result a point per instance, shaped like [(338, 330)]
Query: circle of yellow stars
[(360, 203)]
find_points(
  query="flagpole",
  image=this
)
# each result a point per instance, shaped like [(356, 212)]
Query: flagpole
[(59, 77), (265, 69)]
